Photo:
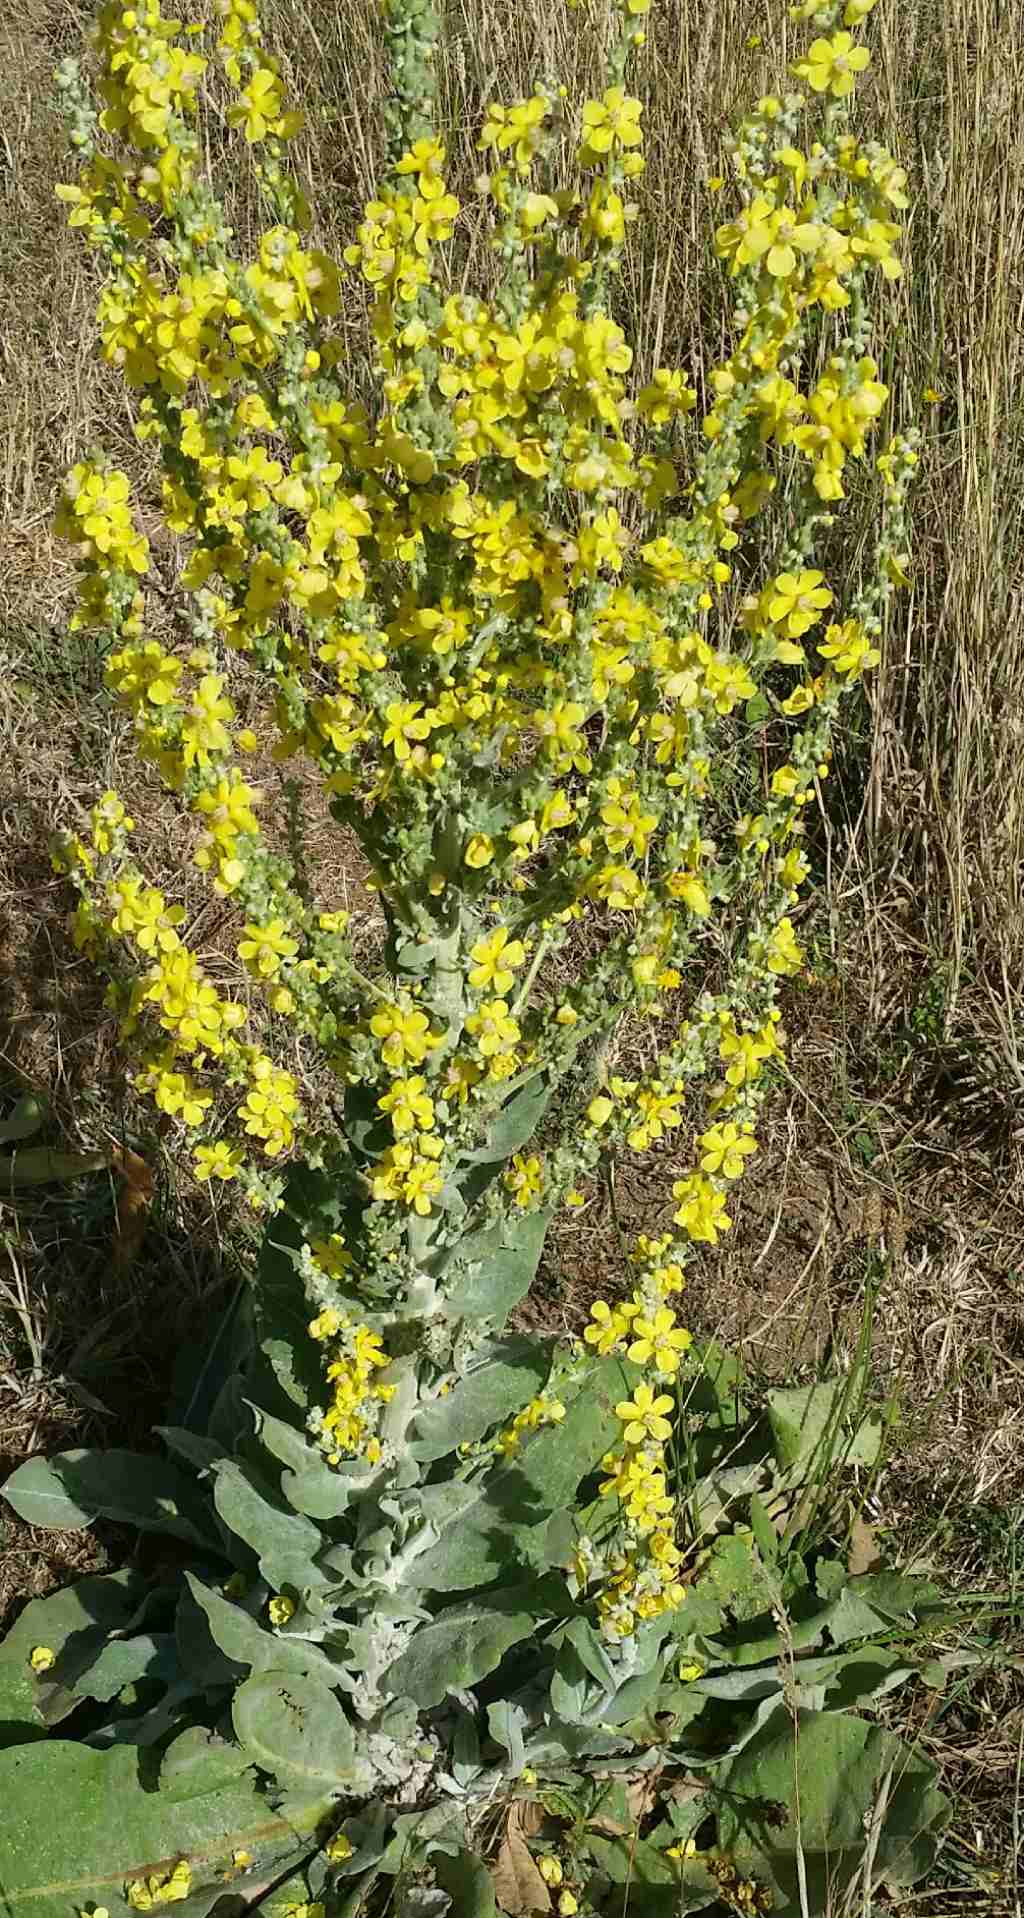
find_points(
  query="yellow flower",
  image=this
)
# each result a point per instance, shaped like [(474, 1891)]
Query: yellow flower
[(496, 958), (525, 1178), (660, 1341), (408, 1105), (404, 1033), (609, 124), (550, 1870), (830, 66), (643, 1416), (479, 850), (339, 1848), (608, 1329), (219, 1161), (726, 1147), (280, 1610), (42, 1659), (264, 947), (796, 601)]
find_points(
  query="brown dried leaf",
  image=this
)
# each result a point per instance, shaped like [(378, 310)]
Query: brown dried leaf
[(863, 1554), (518, 1885), (136, 1185)]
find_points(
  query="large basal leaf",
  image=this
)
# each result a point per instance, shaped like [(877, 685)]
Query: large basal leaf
[(75, 1625), (126, 1661), (492, 1271), (284, 1542), (833, 1774), (72, 1489), (198, 1762), (457, 1649), (512, 1372), (480, 1543), (109, 1830), (468, 1884), (807, 1424), (294, 1727)]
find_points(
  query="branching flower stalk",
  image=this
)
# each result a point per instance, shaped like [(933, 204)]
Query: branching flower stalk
[(511, 615)]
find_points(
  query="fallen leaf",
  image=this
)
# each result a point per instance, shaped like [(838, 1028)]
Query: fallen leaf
[(134, 1198), (863, 1554), (518, 1885)]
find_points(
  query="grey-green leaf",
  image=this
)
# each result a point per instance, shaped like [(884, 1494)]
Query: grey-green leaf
[(284, 1542), (244, 1642), (519, 1495), (294, 1727), (74, 1624), (834, 1776), (513, 1371), (807, 1423), (460, 1647), (110, 1830), (308, 1483), (197, 1761), (72, 1489), (492, 1271)]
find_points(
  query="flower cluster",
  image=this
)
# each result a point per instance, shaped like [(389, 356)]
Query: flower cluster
[(506, 615)]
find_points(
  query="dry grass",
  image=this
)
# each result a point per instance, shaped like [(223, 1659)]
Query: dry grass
[(894, 1164)]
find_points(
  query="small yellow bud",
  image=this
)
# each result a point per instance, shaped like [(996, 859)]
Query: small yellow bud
[(550, 1870), (42, 1659)]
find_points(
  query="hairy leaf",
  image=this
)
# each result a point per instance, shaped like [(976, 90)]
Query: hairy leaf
[(110, 1829), (284, 1542), (832, 1775), (513, 1370), (293, 1726), (460, 1647), (515, 1497), (197, 1762), (242, 1640), (74, 1624), (468, 1885), (807, 1425), (72, 1489), (491, 1271)]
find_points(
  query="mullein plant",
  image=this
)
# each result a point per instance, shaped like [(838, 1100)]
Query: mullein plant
[(498, 612)]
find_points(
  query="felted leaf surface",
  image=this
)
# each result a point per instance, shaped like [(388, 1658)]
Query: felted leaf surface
[(308, 1483), (284, 1542), (460, 1647), (72, 1489), (293, 1726), (806, 1423), (197, 1762), (830, 1778), (513, 1372), (75, 1624), (110, 1830), (542, 1477), (493, 1270), (245, 1642)]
